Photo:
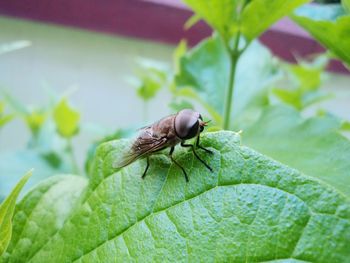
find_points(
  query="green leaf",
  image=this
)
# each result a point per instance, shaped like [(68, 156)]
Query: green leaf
[(346, 5), (35, 119), (313, 146), (205, 69), (329, 26), (250, 17), (7, 209), (17, 106), (66, 119), (151, 77), (345, 125), (192, 21), (2, 107), (4, 118), (52, 202), (259, 15), (304, 85), (250, 209), (179, 52), (221, 15), (151, 82)]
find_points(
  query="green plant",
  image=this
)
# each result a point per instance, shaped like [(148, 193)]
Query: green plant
[(7, 209), (49, 148), (251, 208)]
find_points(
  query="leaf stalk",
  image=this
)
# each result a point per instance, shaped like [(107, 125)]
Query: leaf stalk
[(234, 55)]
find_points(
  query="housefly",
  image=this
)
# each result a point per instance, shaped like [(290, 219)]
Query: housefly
[(165, 133)]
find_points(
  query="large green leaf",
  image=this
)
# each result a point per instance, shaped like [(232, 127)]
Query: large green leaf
[(42, 213), (313, 146), (205, 69), (251, 17), (329, 25), (7, 209), (250, 209)]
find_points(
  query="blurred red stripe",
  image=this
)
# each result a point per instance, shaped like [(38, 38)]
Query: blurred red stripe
[(157, 20)]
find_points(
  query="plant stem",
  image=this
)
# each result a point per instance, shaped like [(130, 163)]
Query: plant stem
[(234, 56), (72, 157)]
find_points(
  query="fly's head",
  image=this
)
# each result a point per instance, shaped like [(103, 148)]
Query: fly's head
[(188, 124)]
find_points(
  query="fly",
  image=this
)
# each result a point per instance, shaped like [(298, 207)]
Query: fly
[(165, 133)]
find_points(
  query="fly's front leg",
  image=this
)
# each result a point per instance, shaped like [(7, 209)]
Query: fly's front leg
[(201, 147), (145, 172), (174, 161), (195, 154)]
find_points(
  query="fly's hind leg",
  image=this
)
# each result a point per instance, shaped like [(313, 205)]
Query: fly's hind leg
[(147, 166), (174, 161)]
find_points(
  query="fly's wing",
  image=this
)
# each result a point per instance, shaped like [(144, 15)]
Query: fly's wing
[(145, 144)]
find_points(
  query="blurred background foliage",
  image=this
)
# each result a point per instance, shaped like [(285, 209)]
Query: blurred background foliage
[(279, 107)]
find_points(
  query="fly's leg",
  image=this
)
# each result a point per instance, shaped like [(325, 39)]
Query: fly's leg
[(174, 161), (201, 147), (195, 154), (145, 172)]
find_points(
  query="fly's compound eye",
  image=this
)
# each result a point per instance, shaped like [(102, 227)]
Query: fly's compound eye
[(187, 124)]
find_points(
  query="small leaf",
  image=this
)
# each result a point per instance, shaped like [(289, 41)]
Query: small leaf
[(289, 96), (304, 81), (7, 209), (35, 119), (309, 78), (179, 52), (329, 26), (192, 21), (150, 85), (4, 118), (2, 107), (66, 119), (14, 104), (345, 125), (152, 76)]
